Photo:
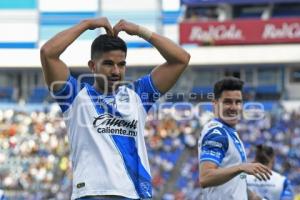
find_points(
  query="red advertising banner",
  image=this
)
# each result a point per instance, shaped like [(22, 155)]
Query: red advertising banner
[(245, 31)]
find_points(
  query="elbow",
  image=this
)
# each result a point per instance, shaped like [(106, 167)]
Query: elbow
[(46, 51), (202, 183), (186, 58), (183, 61)]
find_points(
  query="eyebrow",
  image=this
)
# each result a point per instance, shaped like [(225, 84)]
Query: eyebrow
[(112, 62), (229, 99), (122, 63), (107, 62)]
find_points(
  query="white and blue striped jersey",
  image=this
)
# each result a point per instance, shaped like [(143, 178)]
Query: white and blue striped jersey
[(276, 188), (220, 144), (106, 137), (2, 197)]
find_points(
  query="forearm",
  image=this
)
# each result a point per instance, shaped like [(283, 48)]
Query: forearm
[(57, 45), (172, 52), (219, 176), (165, 75)]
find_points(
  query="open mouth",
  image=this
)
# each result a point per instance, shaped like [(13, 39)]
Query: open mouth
[(114, 79), (113, 82), (232, 115)]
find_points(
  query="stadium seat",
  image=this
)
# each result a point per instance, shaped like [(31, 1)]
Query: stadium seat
[(38, 95), (6, 94)]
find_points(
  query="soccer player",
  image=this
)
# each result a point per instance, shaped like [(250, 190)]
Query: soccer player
[(223, 165), (278, 187), (2, 196), (105, 121)]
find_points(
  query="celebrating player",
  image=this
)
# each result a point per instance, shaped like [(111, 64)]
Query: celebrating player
[(221, 152), (109, 157)]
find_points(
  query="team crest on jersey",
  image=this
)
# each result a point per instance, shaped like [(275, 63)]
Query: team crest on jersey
[(217, 132), (110, 124), (123, 97)]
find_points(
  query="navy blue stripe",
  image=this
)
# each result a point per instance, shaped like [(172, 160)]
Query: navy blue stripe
[(127, 147), (238, 146), (237, 142), (140, 177), (18, 45), (64, 18)]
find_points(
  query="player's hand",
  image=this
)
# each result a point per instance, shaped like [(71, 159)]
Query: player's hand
[(128, 27), (260, 171), (101, 22)]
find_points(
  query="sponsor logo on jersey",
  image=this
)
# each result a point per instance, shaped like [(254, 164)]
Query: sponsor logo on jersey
[(124, 97), (212, 153), (109, 124), (213, 144)]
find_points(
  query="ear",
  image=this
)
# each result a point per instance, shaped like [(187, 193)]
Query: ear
[(92, 66), (215, 106), (215, 102)]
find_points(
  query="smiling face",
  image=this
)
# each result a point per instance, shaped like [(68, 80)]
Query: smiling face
[(109, 70), (229, 106)]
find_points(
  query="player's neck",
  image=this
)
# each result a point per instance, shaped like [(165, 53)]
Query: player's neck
[(103, 91), (223, 122)]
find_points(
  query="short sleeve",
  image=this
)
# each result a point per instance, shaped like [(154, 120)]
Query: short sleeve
[(66, 95), (214, 146), (147, 91)]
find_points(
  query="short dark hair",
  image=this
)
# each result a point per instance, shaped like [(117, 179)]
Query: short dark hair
[(104, 43), (264, 154), (228, 83)]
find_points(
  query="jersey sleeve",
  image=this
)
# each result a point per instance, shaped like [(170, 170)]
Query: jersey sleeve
[(66, 95), (287, 192), (147, 91), (214, 146)]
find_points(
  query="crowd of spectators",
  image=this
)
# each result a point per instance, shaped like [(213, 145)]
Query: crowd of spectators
[(33, 155), (34, 151)]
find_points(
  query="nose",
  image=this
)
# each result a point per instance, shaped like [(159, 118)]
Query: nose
[(235, 106), (115, 69)]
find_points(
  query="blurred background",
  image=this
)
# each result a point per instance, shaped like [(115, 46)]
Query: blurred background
[(255, 40)]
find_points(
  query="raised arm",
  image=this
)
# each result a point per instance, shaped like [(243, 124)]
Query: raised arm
[(165, 75), (211, 175), (55, 70)]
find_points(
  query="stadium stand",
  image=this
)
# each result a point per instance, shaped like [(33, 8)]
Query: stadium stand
[(34, 161), (34, 152), (6, 94)]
